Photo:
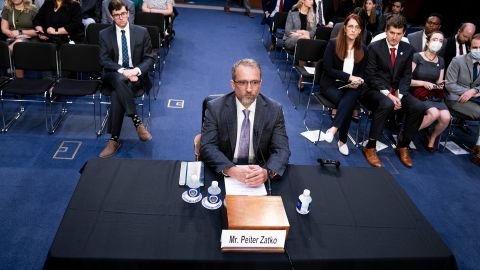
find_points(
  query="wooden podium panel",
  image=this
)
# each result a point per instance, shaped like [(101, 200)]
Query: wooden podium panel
[(256, 213)]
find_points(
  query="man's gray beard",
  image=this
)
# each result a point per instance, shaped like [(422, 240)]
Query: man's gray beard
[(247, 101)]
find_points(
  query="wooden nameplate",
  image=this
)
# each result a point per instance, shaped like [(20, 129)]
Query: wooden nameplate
[(256, 213)]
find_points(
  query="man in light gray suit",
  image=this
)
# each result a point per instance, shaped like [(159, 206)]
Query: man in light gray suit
[(463, 87), (238, 118), (419, 39), (126, 57)]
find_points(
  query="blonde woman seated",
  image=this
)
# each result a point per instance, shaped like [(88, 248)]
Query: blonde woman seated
[(17, 22), (427, 85), (164, 7), (300, 24), (343, 64)]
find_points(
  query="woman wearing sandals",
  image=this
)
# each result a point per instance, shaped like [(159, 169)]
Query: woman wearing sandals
[(341, 82)]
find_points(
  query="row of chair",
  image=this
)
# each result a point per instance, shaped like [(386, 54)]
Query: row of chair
[(70, 73)]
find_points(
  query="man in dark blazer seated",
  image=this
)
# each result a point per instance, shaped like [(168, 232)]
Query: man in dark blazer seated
[(245, 127), (388, 73), (126, 57), (459, 44)]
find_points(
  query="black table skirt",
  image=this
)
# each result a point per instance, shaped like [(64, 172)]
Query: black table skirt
[(128, 214)]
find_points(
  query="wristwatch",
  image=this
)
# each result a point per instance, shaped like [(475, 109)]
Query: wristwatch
[(20, 32)]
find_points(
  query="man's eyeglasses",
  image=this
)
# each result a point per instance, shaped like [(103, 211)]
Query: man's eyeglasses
[(118, 15), (243, 83)]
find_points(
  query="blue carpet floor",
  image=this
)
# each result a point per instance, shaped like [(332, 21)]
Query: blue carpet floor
[(36, 180)]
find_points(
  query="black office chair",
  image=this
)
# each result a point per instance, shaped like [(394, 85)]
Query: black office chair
[(159, 20), (307, 53), (29, 56), (458, 119), (278, 30), (78, 61), (197, 138), (92, 33), (324, 33), (5, 64), (156, 38)]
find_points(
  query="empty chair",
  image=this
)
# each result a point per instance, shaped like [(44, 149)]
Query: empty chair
[(81, 62), (29, 56), (5, 64), (307, 53)]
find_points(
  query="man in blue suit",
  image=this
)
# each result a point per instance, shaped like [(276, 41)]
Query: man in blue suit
[(238, 118), (388, 74), (126, 57)]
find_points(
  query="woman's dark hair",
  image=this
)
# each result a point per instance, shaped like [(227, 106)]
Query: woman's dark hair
[(341, 49)]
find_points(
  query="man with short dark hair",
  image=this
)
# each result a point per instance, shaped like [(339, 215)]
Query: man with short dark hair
[(419, 39), (126, 57), (388, 74)]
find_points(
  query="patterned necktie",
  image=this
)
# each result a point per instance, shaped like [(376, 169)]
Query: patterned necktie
[(320, 13), (392, 61), (475, 71), (124, 51), (244, 143)]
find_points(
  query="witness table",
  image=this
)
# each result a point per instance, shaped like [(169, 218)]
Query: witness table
[(128, 214)]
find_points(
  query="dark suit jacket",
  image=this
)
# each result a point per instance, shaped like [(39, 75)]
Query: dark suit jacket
[(379, 74), (451, 50), (140, 47), (333, 75), (219, 134)]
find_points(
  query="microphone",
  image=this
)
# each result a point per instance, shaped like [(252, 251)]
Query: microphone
[(325, 162), (268, 173)]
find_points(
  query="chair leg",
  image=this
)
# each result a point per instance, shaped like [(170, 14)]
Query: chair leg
[(51, 124), (9, 123)]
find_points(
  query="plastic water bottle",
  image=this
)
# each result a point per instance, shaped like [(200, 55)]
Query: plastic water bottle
[(194, 186), (192, 194), (214, 193), (303, 203)]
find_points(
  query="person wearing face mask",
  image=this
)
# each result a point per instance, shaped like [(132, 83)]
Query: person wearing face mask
[(427, 85), (418, 39), (463, 86)]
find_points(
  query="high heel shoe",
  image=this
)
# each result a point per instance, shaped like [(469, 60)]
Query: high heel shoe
[(429, 149)]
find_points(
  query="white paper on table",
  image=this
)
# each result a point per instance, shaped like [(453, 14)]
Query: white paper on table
[(235, 187), (310, 70)]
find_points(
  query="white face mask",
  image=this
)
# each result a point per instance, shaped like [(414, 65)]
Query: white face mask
[(475, 54), (434, 46)]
